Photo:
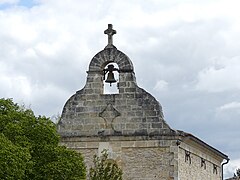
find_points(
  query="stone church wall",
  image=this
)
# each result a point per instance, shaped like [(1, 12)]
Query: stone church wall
[(146, 163), (139, 159), (196, 164)]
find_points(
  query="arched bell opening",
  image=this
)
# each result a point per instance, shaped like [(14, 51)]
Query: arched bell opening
[(111, 79)]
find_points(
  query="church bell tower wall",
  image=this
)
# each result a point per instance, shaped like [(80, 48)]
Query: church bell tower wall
[(132, 111)]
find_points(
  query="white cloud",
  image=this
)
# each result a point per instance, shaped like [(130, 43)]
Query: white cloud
[(229, 106), (17, 87), (219, 78), (228, 114), (161, 85), (8, 1)]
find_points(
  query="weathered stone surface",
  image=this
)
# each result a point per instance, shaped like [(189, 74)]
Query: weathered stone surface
[(154, 163), (193, 168), (133, 111), (139, 159)]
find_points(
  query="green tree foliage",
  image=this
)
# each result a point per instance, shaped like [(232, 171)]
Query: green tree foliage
[(29, 147), (13, 159), (104, 168)]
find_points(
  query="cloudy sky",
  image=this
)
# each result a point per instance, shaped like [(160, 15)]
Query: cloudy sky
[(185, 52)]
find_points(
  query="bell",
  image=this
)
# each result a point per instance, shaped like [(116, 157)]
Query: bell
[(110, 78)]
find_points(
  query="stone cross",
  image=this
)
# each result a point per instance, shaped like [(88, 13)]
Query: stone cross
[(110, 32)]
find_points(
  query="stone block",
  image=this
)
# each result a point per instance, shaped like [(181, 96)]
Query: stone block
[(156, 125), (80, 144), (131, 126), (81, 109), (92, 144), (141, 144), (127, 144), (130, 90), (153, 119), (144, 125), (150, 113), (136, 120)]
